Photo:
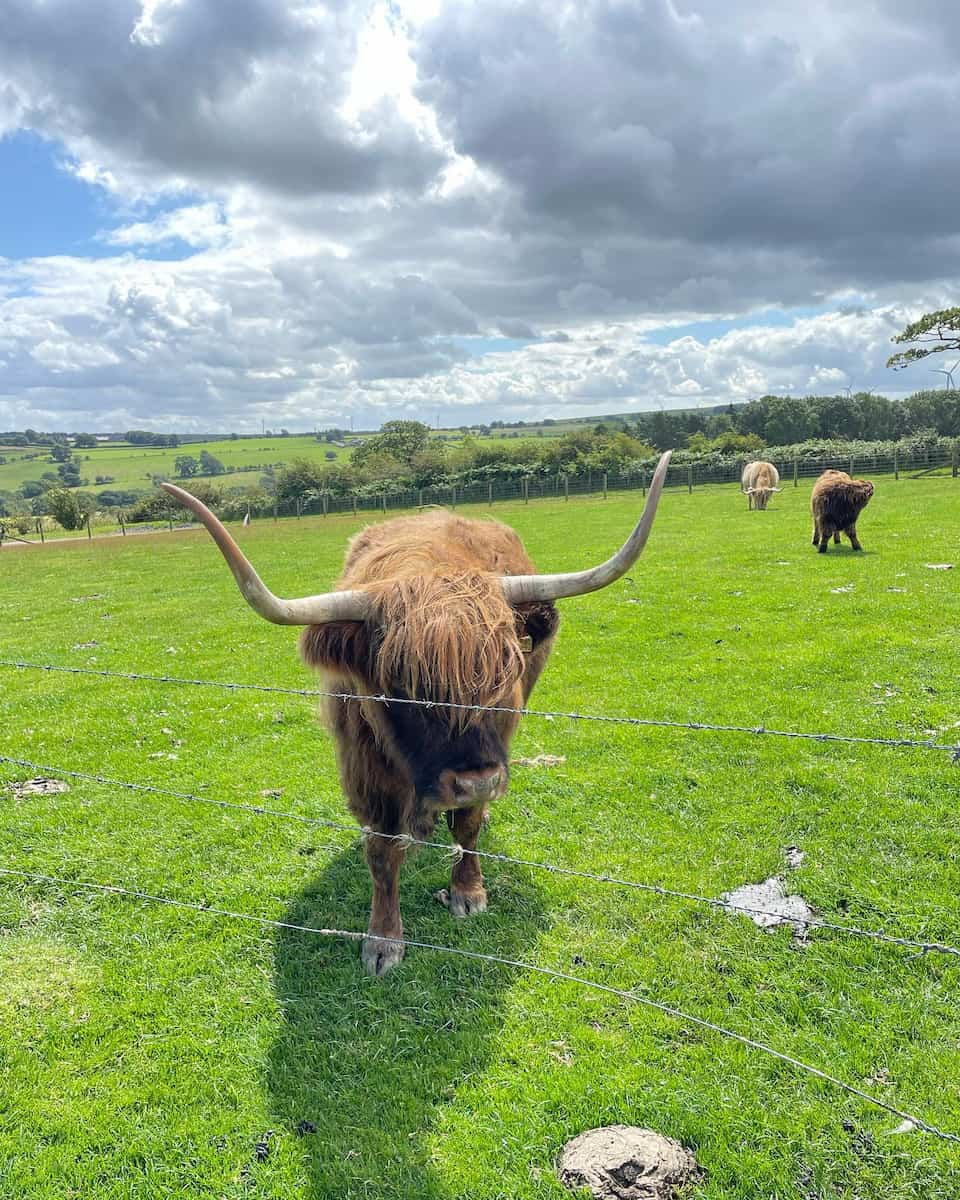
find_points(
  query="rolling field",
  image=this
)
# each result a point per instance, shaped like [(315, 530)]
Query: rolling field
[(150, 1051), (130, 465)]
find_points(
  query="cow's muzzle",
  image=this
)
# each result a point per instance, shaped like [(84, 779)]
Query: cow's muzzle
[(464, 789)]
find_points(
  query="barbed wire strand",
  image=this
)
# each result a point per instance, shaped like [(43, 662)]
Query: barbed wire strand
[(476, 956), (646, 722), (800, 924)]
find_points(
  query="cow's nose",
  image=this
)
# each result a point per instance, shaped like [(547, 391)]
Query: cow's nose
[(479, 785)]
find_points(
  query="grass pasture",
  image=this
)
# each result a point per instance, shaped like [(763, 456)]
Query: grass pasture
[(148, 1052), (131, 466)]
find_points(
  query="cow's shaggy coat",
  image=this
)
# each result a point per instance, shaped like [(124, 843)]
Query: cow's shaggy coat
[(441, 630), (759, 481), (836, 502)]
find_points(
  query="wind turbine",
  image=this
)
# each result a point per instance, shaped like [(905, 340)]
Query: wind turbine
[(948, 374)]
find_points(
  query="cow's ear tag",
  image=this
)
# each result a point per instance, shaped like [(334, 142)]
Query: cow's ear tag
[(526, 644)]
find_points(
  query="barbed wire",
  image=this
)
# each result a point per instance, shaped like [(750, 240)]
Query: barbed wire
[(953, 749), (801, 924), (517, 964)]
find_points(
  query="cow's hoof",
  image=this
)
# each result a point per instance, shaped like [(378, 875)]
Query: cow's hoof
[(379, 956), (463, 904)]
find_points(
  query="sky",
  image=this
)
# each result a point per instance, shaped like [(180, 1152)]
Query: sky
[(293, 214)]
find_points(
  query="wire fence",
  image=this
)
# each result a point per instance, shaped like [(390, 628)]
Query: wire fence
[(352, 935), (918, 946), (759, 730), (801, 925), (561, 486), (915, 461), (689, 475)]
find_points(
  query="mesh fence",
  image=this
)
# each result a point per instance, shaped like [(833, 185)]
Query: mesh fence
[(914, 463)]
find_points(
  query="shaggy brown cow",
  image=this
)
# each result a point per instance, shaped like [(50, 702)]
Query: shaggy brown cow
[(437, 608), (759, 481), (836, 501)]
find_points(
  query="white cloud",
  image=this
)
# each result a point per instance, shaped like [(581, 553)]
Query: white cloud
[(198, 225), (363, 189)]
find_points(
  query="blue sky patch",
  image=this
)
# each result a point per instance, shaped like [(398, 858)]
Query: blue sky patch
[(704, 331), (46, 211)]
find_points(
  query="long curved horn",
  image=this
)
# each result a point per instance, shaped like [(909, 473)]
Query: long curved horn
[(307, 610), (520, 589)]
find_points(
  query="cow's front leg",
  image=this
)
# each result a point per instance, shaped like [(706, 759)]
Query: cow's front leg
[(467, 895), (384, 858)]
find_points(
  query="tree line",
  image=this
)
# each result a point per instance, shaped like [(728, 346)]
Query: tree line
[(406, 456)]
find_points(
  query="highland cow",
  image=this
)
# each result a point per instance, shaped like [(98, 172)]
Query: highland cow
[(759, 481), (432, 608), (836, 502)]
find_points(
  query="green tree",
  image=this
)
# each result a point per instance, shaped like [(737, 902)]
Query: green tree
[(60, 452), (397, 439), (69, 473), (65, 508), (934, 333), (210, 465), (789, 419), (84, 441), (186, 466)]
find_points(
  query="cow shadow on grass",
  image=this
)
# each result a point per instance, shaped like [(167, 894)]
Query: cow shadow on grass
[(364, 1067)]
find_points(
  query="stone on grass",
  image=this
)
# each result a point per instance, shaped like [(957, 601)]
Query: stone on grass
[(622, 1162)]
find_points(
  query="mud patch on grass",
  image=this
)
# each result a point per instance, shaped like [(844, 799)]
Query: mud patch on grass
[(38, 787)]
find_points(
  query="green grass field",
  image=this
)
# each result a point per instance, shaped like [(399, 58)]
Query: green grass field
[(146, 1051), (130, 466)]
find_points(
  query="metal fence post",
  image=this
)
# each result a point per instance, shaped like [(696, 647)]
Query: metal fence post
[(604, 485), (453, 497), (690, 479), (326, 503), (274, 511), (796, 471), (526, 491), (956, 458), (851, 464), (40, 531), (896, 462), (490, 492), (566, 487), (384, 499)]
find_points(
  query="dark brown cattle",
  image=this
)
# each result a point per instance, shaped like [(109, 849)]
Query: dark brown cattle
[(440, 609), (836, 502)]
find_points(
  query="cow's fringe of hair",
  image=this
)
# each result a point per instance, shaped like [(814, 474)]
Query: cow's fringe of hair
[(448, 638)]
